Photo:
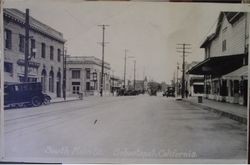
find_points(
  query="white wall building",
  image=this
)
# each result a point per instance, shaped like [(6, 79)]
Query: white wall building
[(226, 59), (84, 76), (46, 48)]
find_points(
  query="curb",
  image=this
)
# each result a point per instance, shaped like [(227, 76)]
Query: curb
[(63, 101), (222, 113)]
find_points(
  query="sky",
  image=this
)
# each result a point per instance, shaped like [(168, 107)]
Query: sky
[(149, 30)]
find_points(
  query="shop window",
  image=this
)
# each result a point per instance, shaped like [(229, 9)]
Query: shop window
[(236, 86)]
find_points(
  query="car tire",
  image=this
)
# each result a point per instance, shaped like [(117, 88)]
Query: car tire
[(36, 101)]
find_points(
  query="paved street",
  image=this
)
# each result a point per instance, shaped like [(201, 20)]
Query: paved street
[(136, 129)]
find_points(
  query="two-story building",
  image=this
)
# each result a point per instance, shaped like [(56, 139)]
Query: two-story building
[(226, 59), (84, 76), (46, 49)]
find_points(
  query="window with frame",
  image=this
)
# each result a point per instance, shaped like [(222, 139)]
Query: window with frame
[(8, 38), (59, 55), (87, 73), (21, 43), (43, 50), (8, 67), (51, 52), (224, 45), (32, 47), (75, 74)]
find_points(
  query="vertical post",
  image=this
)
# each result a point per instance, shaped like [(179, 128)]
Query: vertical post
[(64, 73), (26, 61), (103, 45), (248, 88), (134, 73), (1, 87), (103, 32), (125, 60), (177, 87), (183, 72)]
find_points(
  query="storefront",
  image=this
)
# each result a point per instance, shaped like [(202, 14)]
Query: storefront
[(225, 78)]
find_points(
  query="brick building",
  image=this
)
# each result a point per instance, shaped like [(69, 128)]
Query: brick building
[(84, 76), (46, 47), (226, 59)]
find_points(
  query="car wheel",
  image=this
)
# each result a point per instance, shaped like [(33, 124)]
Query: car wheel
[(36, 101)]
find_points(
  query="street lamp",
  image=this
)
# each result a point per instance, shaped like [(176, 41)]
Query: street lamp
[(94, 79)]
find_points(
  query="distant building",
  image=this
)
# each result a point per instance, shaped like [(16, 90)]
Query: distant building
[(46, 49), (226, 59), (140, 85), (115, 84), (84, 76)]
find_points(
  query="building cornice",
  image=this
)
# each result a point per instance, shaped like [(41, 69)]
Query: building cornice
[(18, 17)]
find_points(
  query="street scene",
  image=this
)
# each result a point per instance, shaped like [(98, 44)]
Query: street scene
[(125, 82)]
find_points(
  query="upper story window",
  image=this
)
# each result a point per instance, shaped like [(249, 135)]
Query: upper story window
[(87, 73), (8, 38), (21, 43), (59, 55), (43, 50), (224, 45), (51, 52), (75, 74), (33, 47)]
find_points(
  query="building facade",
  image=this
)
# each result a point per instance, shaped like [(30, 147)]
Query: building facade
[(84, 76), (115, 84), (194, 83), (45, 49), (226, 59)]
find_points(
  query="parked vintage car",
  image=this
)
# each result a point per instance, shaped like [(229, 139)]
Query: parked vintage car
[(170, 92), (24, 94)]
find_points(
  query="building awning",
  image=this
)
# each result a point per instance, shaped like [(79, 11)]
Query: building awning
[(218, 65), (239, 74)]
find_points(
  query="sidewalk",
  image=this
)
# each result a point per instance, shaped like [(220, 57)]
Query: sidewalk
[(233, 111), (61, 99)]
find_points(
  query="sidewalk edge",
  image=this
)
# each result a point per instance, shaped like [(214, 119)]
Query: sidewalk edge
[(221, 112), (63, 101)]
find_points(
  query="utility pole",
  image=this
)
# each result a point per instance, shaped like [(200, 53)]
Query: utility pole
[(177, 83), (125, 60), (125, 63), (103, 45), (26, 60), (134, 73), (64, 72), (183, 49)]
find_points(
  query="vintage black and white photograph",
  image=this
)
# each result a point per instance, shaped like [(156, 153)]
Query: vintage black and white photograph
[(124, 82)]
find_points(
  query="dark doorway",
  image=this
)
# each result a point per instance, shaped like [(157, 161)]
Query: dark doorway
[(245, 92), (58, 85)]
